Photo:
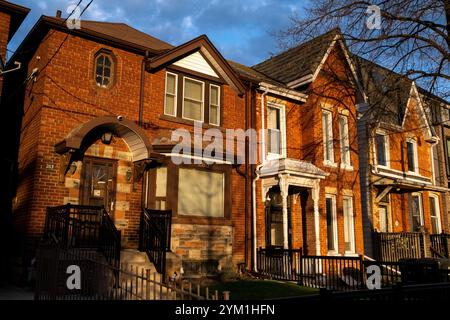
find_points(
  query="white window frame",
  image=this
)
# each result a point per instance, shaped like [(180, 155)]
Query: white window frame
[(335, 250), (415, 156), (328, 162), (175, 97), (352, 222), (281, 107), (218, 105), (203, 99), (344, 141), (419, 195), (386, 149), (438, 211)]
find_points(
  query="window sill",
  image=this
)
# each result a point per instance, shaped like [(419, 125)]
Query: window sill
[(189, 122), (347, 167), (330, 164), (274, 156), (351, 254), (185, 219), (333, 254)]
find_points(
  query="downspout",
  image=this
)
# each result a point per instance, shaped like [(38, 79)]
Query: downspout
[(263, 158), (141, 93)]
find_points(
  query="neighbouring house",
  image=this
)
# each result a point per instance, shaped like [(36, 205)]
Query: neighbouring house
[(306, 192), (11, 17), (402, 193), (99, 114)]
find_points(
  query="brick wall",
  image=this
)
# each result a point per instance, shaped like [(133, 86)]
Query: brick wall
[(4, 32), (65, 96)]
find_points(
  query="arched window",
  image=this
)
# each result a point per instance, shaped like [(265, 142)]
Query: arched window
[(104, 69)]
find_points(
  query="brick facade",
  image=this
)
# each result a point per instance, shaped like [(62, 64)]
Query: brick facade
[(4, 32)]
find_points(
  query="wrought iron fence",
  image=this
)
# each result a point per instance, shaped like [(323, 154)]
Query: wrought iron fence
[(390, 246), (155, 234), (89, 227), (440, 245), (102, 281)]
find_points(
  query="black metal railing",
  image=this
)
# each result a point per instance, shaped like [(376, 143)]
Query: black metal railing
[(280, 264), (89, 227), (440, 245), (155, 234), (390, 246)]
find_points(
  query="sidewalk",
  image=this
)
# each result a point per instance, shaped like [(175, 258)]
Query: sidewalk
[(11, 292)]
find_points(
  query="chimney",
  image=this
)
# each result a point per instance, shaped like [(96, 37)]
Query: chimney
[(58, 13)]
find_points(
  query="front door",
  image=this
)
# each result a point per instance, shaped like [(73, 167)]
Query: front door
[(98, 183)]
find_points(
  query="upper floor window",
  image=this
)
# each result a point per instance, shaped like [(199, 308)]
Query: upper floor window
[(104, 69), (411, 151), (214, 104), (275, 129), (327, 129), (194, 95), (345, 145), (170, 102), (382, 149), (193, 99), (435, 214)]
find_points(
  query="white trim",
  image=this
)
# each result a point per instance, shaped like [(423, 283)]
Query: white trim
[(334, 221), (218, 104), (415, 156), (352, 222), (281, 107), (344, 140), (175, 104), (419, 195), (330, 145), (203, 99), (283, 92), (438, 211), (386, 149)]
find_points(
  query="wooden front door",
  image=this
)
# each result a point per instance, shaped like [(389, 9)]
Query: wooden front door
[(99, 183)]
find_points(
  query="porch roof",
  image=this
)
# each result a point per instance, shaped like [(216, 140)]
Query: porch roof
[(405, 186), (291, 166)]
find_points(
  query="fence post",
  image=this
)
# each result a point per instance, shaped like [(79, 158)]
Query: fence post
[(363, 271), (300, 260), (226, 295)]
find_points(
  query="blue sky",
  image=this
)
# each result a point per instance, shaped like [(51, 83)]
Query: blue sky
[(241, 30)]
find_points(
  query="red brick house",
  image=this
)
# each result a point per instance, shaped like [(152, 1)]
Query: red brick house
[(306, 187), (99, 114), (402, 192), (11, 17)]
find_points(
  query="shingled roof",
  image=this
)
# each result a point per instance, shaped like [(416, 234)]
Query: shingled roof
[(122, 31), (299, 61)]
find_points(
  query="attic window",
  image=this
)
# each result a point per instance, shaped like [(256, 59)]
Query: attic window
[(104, 69)]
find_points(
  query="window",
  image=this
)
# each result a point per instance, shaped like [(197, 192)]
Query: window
[(328, 153), (274, 130), (448, 154), (214, 105), (344, 139), (383, 218), (161, 188), (415, 208), (170, 101), (331, 223), (193, 99), (381, 149), (201, 193), (103, 69), (349, 232), (435, 215), (411, 151)]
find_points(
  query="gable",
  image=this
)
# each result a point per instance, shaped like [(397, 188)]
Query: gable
[(196, 62)]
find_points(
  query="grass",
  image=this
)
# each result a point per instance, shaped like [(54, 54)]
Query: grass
[(262, 289)]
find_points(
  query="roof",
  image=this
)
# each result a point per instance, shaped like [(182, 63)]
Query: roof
[(122, 31), (18, 14), (387, 92), (119, 35), (252, 75), (298, 62)]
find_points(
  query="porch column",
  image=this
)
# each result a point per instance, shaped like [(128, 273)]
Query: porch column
[(315, 197), (284, 187)]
